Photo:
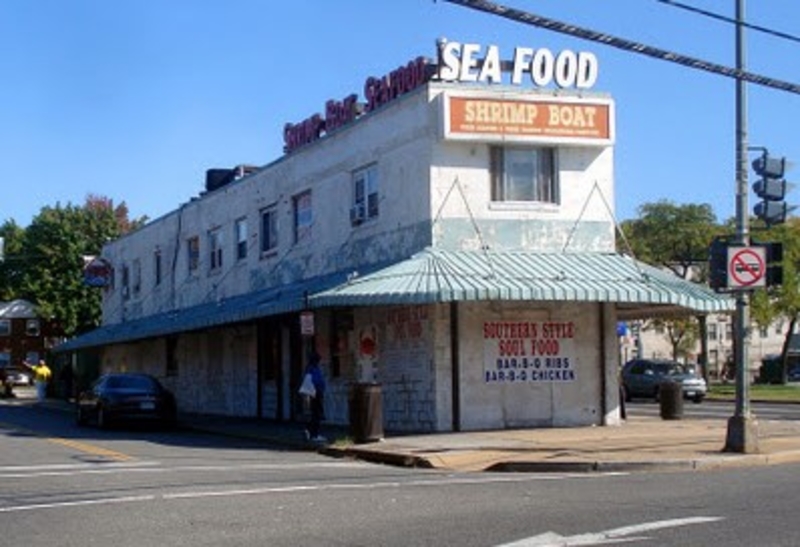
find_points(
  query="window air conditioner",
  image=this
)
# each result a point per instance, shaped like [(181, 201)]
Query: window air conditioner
[(358, 213)]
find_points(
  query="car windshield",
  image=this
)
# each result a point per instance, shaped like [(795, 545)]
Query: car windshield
[(670, 369), (130, 382)]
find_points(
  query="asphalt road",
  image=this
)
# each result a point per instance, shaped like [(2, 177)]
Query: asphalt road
[(67, 486), (718, 409)]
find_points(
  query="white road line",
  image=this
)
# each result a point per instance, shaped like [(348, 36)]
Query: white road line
[(101, 501), (445, 481), (29, 472)]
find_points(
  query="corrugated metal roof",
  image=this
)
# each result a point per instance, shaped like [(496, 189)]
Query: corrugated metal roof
[(435, 275), (273, 301), (17, 309)]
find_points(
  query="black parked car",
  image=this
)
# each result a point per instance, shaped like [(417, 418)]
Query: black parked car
[(126, 397), (643, 378)]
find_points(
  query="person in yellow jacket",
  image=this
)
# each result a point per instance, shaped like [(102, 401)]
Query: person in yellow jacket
[(41, 376)]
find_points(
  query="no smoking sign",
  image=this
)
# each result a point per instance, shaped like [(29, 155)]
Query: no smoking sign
[(747, 267)]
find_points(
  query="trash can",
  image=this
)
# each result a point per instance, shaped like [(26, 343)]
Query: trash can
[(670, 397), (366, 412)]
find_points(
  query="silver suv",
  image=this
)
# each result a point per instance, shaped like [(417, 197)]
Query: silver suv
[(643, 378)]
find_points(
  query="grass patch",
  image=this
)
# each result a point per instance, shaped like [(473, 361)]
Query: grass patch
[(789, 393)]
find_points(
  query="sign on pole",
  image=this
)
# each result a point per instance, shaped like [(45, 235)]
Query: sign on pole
[(747, 267)]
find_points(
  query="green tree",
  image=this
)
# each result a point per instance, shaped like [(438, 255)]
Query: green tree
[(673, 236), (782, 301), (12, 235), (676, 237), (52, 256)]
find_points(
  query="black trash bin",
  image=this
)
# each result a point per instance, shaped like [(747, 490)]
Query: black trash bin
[(366, 412), (670, 397)]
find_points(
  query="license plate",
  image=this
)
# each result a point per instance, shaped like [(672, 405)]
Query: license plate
[(147, 405), (690, 393)]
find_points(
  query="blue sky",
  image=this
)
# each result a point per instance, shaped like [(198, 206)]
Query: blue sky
[(135, 99)]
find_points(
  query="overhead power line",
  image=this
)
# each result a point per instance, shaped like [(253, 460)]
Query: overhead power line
[(626, 45), (731, 20)]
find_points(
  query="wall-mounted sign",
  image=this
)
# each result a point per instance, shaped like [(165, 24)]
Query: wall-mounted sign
[(97, 272), (457, 62), (529, 351), (474, 117), (470, 63)]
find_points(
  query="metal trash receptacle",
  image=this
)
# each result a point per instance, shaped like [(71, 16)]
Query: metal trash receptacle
[(670, 397), (366, 412)]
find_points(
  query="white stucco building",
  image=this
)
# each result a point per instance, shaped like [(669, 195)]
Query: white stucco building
[(451, 239)]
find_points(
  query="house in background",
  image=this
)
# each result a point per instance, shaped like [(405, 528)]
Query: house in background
[(24, 336)]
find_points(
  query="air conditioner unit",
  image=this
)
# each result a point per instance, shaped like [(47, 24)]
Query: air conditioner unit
[(358, 213)]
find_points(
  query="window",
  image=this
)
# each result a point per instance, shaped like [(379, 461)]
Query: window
[(779, 327), (763, 332), (5, 359), (729, 332), (303, 216), (5, 327), (157, 267), (32, 357), (137, 276), (365, 194), (215, 249), (269, 229), (126, 282), (32, 327), (524, 174), (193, 253), (712, 331), (240, 233)]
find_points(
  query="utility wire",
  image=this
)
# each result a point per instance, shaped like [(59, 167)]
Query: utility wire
[(731, 20), (626, 45)]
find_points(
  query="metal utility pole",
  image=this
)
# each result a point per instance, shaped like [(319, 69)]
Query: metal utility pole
[(742, 426)]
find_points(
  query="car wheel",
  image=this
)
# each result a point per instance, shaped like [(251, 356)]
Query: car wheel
[(657, 395), (697, 399)]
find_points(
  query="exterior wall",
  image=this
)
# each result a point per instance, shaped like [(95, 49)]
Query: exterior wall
[(523, 401), (582, 220), (215, 369)]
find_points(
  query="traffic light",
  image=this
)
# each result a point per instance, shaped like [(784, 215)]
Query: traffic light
[(774, 263), (771, 189), (718, 263)]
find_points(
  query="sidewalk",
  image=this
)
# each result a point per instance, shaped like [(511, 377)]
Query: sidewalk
[(639, 444)]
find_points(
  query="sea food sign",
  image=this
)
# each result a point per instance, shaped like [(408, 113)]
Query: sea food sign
[(542, 67), (457, 62)]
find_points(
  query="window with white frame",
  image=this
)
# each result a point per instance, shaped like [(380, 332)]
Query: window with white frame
[(215, 249), (193, 253), (32, 327), (303, 216), (365, 194), (240, 233), (524, 174), (5, 327), (712, 331), (269, 229)]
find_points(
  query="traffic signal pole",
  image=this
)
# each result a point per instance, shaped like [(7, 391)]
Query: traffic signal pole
[(742, 436)]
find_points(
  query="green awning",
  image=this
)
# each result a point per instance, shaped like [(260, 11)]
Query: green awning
[(436, 275)]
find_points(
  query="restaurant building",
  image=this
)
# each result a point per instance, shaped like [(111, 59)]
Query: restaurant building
[(449, 236)]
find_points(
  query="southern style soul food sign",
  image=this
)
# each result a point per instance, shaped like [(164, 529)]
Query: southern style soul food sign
[(459, 62), (529, 351)]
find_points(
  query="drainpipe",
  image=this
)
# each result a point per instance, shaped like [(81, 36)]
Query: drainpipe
[(456, 367), (603, 363)]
